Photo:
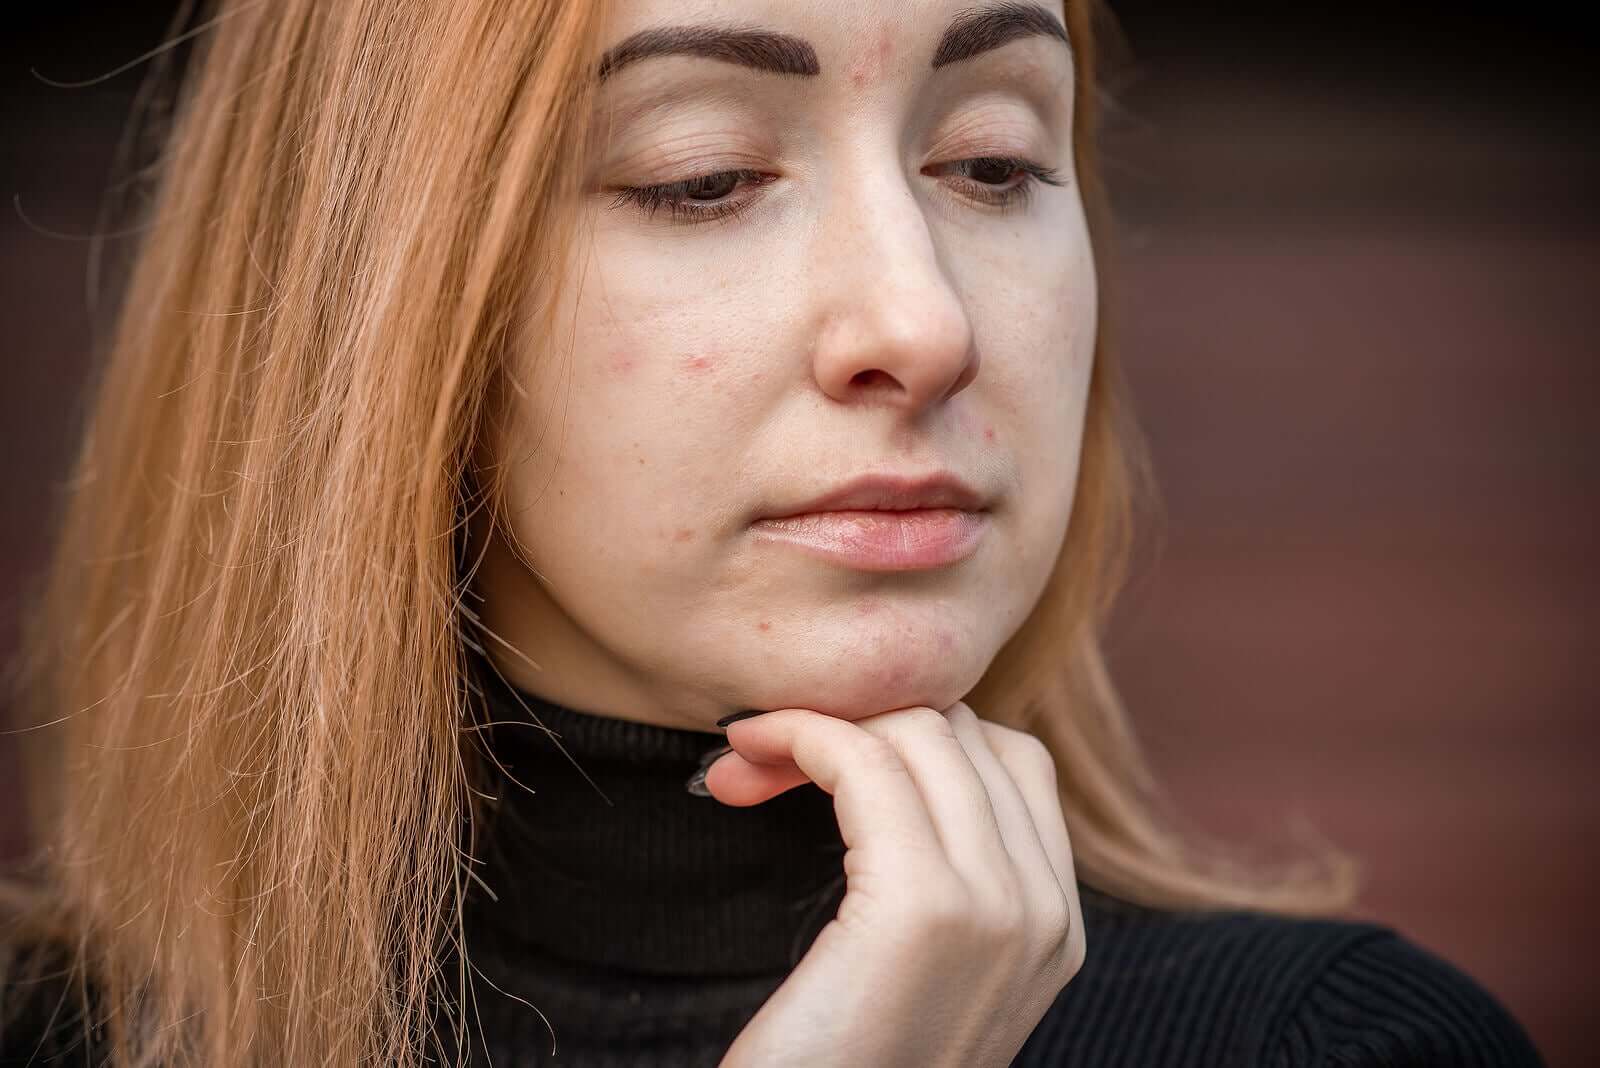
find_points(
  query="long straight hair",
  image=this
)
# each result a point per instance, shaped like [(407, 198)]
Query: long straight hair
[(251, 795)]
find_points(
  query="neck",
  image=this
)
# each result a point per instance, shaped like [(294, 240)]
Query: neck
[(597, 854)]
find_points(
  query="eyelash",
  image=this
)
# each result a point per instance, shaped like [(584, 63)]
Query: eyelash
[(649, 199)]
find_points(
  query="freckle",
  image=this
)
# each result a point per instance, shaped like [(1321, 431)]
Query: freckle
[(684, 534), (765, 625), (988, 433)]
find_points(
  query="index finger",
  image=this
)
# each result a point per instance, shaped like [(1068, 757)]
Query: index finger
[(874, 796)]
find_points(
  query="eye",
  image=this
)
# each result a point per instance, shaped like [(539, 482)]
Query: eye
[(1006, 182), (699, 199)]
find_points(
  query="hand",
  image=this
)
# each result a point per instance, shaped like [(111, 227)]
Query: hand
[(960, 923)]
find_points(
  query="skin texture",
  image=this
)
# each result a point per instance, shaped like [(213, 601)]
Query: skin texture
[(865, 310)]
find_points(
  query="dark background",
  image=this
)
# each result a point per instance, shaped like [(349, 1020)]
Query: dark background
[(1356, 293)]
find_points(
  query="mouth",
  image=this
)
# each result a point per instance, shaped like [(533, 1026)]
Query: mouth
[(889, 492), (911, 539), (885, 522)]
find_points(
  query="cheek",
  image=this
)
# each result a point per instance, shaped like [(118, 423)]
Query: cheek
[(649, 389)]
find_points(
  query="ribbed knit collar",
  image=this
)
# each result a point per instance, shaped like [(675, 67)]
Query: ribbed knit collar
[(617, 866)]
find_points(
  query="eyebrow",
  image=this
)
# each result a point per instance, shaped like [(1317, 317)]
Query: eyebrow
[(970, 33), (763, 50)]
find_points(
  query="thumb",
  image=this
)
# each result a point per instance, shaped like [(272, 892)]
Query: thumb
[(733, 780)]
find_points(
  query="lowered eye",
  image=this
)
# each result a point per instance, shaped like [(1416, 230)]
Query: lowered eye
[(697, 199), (1002, 181)]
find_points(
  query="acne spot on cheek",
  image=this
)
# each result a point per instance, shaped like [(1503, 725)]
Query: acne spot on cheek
[(683, 534), (620, 363), (988, 433), (699, 364), (765, 625)]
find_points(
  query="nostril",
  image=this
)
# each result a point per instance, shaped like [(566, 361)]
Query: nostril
[(869, 377)]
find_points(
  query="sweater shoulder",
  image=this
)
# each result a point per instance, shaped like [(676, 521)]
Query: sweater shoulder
[(1253, 990), (1386, 1002)]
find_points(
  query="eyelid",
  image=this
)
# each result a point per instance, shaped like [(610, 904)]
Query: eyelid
[(1001, 126), (649, 198), (684, 155)]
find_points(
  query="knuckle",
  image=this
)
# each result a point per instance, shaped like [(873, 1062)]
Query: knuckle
[(1073, 955), (1053, 923), (1037, 755), (943, 907), (927, 719), (903, 725), (878, 754), (996, 919), (1025, 751), (961, 713)]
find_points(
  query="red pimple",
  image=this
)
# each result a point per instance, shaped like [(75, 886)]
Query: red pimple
[(620, 363), (871, 65), (683, 534), (988, 433), (698, 363), (764, 625)]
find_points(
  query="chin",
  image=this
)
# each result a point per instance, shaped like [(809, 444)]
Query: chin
[(856, 695)]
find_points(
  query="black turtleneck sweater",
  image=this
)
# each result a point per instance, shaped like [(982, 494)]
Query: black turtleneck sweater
[(623, 921), (648, 925)]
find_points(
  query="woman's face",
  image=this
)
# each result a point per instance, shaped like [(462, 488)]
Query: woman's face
[(872, 260)]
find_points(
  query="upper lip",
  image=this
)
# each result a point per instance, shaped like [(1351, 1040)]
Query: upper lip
[(893, 493)]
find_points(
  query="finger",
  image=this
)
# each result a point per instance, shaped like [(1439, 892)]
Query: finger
[(1026, 848), (1033, 770), (957, 799), (735, 781), (880, 812)]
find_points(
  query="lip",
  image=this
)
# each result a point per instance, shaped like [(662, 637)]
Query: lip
[(893, 493), (886, 523)]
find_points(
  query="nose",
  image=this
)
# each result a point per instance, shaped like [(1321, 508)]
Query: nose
[(890, 327)]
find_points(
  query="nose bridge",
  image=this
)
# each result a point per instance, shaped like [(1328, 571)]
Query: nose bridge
[(887, 303)]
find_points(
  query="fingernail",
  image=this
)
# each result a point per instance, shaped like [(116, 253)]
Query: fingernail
[(697, 782), (737, 716)]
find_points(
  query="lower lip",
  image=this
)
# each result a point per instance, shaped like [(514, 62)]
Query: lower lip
[(876, 540)]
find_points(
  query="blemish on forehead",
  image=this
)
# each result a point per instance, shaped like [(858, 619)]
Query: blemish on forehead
[(873, 61)]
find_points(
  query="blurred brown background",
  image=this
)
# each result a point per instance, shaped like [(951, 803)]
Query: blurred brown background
[(1357, 297)]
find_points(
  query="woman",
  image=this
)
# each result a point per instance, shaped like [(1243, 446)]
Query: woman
[(513, 401)]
